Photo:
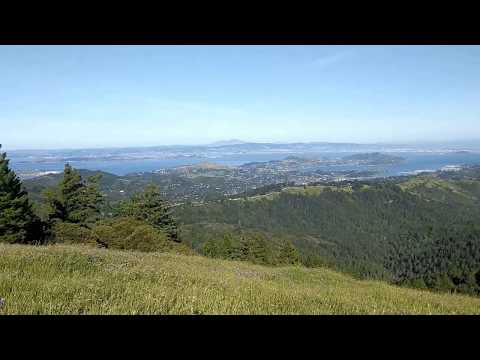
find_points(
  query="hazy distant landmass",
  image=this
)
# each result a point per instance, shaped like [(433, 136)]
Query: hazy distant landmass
[(121, 161), (229, 147), (227, 142), (375, 158)]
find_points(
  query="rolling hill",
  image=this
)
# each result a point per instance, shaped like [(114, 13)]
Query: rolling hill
[(420, 231), (85, 280)]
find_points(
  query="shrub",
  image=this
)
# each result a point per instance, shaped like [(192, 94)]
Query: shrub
[(72, 234), (131, 234), (182, 249)]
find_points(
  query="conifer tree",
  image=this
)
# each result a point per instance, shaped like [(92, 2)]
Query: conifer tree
[(258, 252), (289, 254), (90, 200), (227, 246), (18, 223), (251, 247), (75, 201), (242, 251), (210, 249), (151, 207)]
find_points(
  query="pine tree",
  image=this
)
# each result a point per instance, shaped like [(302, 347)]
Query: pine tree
[(75, 201), (152, 208), (226, 247), (289, 254), (18, 223), (90, 200), (258, 252), (251, 247), (244, 248), (210, 249)]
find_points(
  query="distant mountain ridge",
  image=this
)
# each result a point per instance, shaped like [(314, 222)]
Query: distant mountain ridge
[(233, 146), (227, 142)]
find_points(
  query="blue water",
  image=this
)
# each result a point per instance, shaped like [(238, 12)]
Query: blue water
[(414, 162), (123, 167)]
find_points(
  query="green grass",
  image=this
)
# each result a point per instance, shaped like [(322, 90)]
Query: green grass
[(310, 190), (439, 189), (85, 280), (315, 190), (426, 182)]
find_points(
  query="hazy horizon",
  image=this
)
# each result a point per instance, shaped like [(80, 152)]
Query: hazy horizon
[(85, 97), (464, 143)]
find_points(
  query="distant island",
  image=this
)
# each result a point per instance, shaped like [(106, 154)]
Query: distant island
[(375, 158), (202, 166)]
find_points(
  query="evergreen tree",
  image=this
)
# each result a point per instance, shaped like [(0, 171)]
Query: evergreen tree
[(210, 249), (90, 201), (152, 208), (242, 251), (289, 254), (219, 248), (226, 246), (18, 223), (75, 201), (251, 247), (258, 252)]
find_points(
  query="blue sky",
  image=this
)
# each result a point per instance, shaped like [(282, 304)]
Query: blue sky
[(102, 96)]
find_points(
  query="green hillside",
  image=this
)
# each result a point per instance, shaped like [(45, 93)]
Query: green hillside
[(420, 231), (64, 279)]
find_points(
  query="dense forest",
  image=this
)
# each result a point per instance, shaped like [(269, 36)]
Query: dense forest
[(419, 231)]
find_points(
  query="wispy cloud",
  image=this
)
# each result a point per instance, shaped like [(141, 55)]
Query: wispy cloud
[(320, 62), (325, 61)]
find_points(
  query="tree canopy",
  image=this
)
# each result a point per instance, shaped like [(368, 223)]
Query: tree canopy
[(74, 200), (18, 223), (150, 206)]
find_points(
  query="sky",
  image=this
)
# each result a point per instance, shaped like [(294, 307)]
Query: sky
[(116, 96)]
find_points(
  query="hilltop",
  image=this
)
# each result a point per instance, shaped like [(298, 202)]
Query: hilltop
[(85, 280)]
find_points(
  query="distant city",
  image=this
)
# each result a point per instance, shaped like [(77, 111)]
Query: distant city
[(205, 172), (121, 161)]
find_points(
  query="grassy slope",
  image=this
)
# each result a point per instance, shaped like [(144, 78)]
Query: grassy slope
[(84, 280)]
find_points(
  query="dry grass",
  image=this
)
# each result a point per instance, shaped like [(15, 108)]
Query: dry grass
[(85, 280)]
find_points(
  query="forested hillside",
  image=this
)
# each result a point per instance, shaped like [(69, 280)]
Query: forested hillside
[(422, 231)]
